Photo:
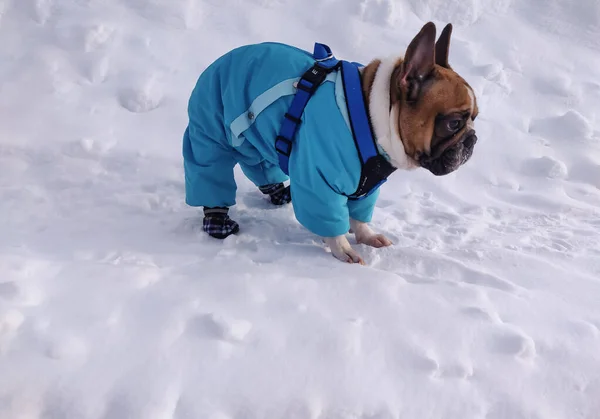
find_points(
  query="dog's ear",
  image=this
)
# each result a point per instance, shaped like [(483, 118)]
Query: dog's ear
[(442, 47), (419, 61)]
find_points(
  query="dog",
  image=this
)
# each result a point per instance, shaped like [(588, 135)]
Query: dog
[(422, 114)]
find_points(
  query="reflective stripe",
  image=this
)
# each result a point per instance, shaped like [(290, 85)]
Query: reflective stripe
[(340, 98), (246, 119)]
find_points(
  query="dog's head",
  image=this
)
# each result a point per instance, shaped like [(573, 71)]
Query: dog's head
[(434, 108)]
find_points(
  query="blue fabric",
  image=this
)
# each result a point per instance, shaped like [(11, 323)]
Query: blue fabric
[(358, 114), (284, 141), (324, 165), (321, 52), (243, 122), (308, 84), (362, 209), (357, 118)]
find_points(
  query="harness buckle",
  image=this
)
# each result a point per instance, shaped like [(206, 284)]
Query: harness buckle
[(312, 78), (288, 150)]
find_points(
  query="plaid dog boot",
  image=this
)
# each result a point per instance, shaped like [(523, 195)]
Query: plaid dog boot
[(218, 224), (279, 194)]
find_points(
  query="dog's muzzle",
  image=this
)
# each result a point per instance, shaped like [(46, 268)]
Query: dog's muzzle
[(451, 158)]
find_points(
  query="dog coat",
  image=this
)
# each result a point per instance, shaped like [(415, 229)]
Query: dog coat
[(235, 111)]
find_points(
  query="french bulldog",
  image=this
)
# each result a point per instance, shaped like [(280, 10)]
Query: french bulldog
[(422, 113)]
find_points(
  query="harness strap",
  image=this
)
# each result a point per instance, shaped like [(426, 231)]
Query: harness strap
[(374, 167), (307, 86)]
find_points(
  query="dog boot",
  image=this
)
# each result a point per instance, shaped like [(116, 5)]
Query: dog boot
[(279, 194), (218, 224)]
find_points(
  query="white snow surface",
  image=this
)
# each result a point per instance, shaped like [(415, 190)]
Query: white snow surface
[(115, 305)]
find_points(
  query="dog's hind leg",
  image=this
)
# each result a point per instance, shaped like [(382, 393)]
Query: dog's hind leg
[(210, 181)]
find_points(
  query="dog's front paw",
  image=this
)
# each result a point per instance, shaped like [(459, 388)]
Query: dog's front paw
[(364, 235), (349, 255), (376, 240), (341, 249)]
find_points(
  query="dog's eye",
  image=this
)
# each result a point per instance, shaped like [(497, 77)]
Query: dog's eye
[(454, 125), (446, 126)]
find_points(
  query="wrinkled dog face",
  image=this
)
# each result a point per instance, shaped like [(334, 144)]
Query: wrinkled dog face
[(435, 107)]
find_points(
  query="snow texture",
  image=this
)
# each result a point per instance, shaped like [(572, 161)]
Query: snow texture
[(115, 305)]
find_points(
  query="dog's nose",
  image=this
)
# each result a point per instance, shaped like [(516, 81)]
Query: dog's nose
[(470, 138)]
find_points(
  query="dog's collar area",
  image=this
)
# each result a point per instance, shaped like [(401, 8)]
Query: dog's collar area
[(375, 162), (384, 153), (384, 118)]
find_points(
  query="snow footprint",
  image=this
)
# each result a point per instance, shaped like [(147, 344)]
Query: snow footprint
[(481, 314), (143, 97), (497, 76), (22, 279), (547, 167), (25, 295), (85, 37), (473, 277), (570, 126), (461, 13), (140, 269), (514, 343), (582, 329), (92, 40), (220, 327), (558, 85), (459, 371), (96, 35), (380, 12), (420, 359), (433, 368)]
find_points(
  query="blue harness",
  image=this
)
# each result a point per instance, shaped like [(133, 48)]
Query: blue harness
[(375, 168)]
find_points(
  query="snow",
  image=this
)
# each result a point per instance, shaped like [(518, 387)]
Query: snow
[(114, 304)]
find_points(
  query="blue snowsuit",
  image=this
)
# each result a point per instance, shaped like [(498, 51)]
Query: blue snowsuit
[(235, 112)]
